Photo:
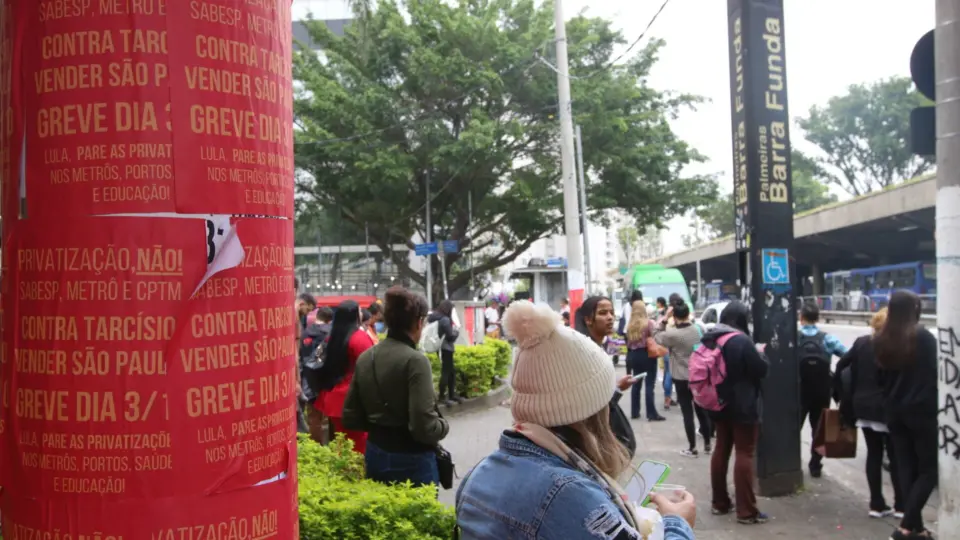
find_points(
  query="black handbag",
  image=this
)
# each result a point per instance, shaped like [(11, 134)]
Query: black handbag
[(445, 465)]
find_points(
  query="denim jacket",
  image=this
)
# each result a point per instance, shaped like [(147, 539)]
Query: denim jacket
[(524, 492)]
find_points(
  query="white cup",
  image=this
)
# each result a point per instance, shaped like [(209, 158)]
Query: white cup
[(672, 492)]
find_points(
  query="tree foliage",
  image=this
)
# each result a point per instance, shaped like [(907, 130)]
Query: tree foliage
[(629, 240), (454, 92), (715, 220), (864, 135)]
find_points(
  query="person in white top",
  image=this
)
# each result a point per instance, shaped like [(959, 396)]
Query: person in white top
[(492, 316)]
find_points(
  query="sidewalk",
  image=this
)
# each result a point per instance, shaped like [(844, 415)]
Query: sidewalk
[(827, 508)]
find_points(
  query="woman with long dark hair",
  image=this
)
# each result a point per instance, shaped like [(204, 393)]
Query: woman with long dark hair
[(595, 319), (443, 316), (391, 397), (863, 400), (737, 426), (907, 355), (346, 343)]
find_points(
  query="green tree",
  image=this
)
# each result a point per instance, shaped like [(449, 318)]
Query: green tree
[(716, 218), (457, 92), (864, 136), (629, 240)]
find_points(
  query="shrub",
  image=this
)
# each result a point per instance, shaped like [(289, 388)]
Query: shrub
[(478, 366), (504, 356), (338, 503)]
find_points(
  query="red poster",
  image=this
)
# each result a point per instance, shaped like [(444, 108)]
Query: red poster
[(470, 318), (123, 117), (237, 353), (231, 88), (124, 384), (257, 513), (96, 96)]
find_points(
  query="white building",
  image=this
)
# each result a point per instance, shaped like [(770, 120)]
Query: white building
[(604, 256)]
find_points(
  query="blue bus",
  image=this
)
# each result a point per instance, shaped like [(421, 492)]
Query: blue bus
[(868, 289)]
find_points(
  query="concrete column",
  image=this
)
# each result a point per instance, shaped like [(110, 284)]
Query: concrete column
[(149, 373), (817, 279), (947, 58)]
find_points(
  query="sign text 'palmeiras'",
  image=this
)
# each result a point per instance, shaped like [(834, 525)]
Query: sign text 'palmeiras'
[(760, 123)]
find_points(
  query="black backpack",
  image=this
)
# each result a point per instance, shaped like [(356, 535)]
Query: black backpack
[(315, 375), (813, 358)]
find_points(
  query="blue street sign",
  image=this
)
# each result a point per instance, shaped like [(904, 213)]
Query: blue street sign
[(424, 250), (451, 246), (776, 267)]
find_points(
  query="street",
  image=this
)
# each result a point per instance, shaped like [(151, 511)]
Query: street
[(834, 505)]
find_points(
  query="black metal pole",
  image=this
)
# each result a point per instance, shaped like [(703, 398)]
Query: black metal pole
[(764, 226)]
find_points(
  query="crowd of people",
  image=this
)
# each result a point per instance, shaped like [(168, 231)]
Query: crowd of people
[(556, 472)]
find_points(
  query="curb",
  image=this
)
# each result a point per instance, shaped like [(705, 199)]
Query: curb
[(493, 399)]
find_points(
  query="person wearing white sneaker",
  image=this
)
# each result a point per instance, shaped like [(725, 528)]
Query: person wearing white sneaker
[(681, 340), (865, 397)]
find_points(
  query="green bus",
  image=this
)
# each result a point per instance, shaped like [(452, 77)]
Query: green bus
[(655, 281)]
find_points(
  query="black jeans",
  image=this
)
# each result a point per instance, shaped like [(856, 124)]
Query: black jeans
[(638, 362), (915, 441), (812, 404), (689, 408), (878, 443), (448, 375)]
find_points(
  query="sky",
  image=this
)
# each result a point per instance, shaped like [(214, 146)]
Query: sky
[(830, 45)]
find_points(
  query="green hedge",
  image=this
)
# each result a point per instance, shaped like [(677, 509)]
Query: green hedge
[(478, 366), (338, 503)]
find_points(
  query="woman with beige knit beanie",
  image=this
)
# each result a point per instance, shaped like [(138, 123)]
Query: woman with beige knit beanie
[(553, 476)]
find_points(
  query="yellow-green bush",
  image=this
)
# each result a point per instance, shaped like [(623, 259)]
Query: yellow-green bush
[(504, 356), (478, 366), (338, 503)]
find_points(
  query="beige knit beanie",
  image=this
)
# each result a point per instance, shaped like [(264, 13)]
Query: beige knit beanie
[(559, 376)]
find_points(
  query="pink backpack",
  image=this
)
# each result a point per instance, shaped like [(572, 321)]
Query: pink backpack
[(707, 370)]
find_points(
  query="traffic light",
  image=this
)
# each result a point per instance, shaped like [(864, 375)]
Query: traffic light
[(923, 120)]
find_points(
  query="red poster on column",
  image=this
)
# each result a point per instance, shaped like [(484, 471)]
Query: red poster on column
[(96, 304), (257, 513), (231, 89), (237, 357), (127, 385), (96, 106)]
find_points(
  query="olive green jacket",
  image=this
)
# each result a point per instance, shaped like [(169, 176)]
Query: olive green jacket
[(406, 396)]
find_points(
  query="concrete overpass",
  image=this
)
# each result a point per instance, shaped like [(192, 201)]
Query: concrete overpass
[(884, 227)]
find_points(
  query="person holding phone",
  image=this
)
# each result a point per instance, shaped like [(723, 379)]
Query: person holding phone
[(553, 474)]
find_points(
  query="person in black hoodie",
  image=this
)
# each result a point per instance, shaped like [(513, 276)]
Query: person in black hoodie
[(595, 319), (737, 426), (448, 339), (907, 355), (311, 339), (865, 397)]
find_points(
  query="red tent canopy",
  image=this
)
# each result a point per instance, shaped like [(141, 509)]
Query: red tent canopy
[(334, 301)]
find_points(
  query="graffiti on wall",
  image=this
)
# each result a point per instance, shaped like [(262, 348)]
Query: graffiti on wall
[(949, 413)]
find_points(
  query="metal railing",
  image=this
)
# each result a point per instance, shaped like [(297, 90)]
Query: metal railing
[(855, 309), (863, 303)]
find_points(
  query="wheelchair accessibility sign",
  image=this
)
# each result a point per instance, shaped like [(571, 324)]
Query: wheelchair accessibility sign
[(776, 267)]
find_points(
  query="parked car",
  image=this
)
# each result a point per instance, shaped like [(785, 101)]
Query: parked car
[(711, 315)]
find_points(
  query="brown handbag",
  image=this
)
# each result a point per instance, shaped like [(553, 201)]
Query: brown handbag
[(833, 439), (654, 349)]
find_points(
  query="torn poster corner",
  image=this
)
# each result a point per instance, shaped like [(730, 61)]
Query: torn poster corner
[(224, 249)]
